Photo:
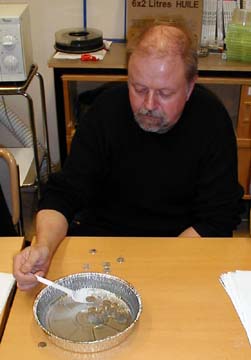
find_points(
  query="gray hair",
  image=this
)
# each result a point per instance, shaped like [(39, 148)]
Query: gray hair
[(163, 39)]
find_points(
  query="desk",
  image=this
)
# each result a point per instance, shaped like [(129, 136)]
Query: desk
[(212, 70), (9, 246), (187, 314)]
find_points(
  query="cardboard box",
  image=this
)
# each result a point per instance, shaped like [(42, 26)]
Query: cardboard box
[(188, 11)]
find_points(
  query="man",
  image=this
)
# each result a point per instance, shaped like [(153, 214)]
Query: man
[(154, 157)]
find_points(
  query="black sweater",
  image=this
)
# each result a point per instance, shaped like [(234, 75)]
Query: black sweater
[(129, 182)]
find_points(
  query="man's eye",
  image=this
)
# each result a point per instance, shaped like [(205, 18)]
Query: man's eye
[(164, 95), (140, 90)]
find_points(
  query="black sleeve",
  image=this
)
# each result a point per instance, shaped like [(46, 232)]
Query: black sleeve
[(76, 186), (218, 201)]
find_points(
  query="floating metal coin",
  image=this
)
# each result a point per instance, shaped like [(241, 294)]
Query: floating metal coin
[(106, 264), (42, 344), (106, 267), (93, 251), (90, 299)]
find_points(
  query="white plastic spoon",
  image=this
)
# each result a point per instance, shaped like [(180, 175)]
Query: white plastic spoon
[(76, 295)]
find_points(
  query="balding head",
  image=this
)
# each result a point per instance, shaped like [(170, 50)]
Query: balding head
[(162, 40)]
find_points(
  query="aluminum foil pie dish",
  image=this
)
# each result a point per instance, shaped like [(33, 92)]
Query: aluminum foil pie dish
[(110, 310)]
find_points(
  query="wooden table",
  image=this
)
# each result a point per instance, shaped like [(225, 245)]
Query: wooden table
[(8, 247), (186, 312)]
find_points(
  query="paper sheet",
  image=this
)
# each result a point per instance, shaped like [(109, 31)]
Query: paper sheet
[(238, 286), (6, 283)]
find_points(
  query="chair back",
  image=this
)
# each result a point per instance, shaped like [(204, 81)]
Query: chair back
[(9, 179)]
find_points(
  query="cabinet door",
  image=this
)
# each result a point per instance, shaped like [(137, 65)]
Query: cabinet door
[(244, 119), (244, 139), (237, 100), (244, 163)]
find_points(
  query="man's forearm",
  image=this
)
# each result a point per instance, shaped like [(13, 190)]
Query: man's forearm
[(51, 229)]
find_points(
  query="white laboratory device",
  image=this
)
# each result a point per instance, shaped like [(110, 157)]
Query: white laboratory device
[(15, 43)]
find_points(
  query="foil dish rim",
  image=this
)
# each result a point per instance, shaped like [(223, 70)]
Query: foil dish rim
[(94, 342)]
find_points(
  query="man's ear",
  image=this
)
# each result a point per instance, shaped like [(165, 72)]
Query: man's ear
[(191, 86)]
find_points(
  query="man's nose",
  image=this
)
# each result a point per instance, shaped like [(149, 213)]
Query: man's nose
[(149, 100)]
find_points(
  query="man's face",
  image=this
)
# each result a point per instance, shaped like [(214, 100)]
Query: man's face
[(158, 91)]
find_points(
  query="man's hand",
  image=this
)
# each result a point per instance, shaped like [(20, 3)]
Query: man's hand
[(51, 228), (189, 232), (34, 259)]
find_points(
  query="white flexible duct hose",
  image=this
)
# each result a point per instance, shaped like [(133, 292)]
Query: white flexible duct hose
[(22, 133), (17, 127)]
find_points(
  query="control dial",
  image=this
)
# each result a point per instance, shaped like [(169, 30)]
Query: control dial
[(10, 62), (8, 41)]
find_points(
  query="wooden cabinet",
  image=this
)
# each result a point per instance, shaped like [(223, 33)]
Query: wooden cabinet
[(244, 119), (243, 132), (212, 71)]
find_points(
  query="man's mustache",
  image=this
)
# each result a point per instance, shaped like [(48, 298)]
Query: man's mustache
[(153, 113)]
